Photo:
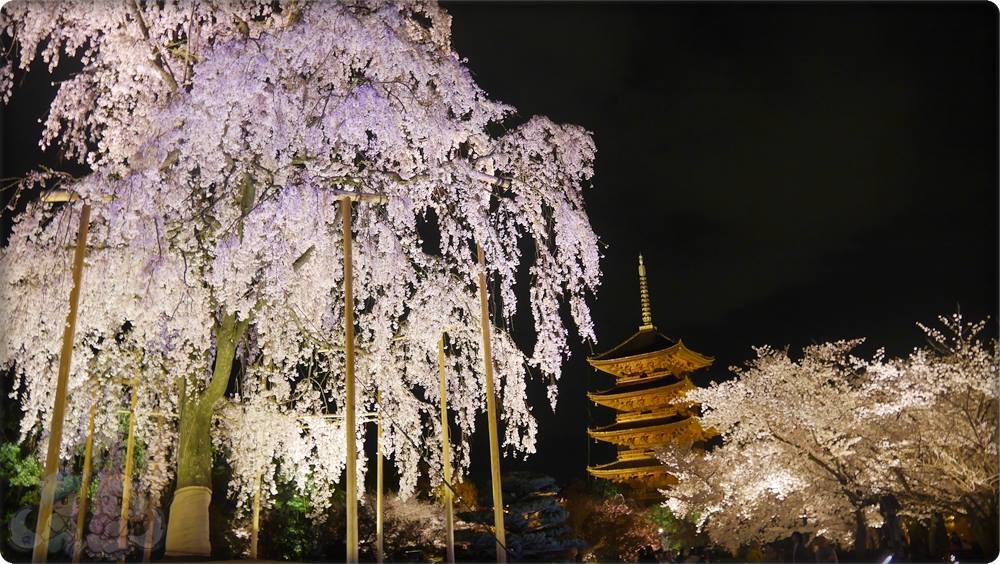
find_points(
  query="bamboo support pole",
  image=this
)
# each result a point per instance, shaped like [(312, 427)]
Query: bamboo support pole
[(48, 493), (255, 526), (88, 450), (449, 509), (147, 547), (491, 413), (151, 505), (379, 499), (350, 429), (129, 466)]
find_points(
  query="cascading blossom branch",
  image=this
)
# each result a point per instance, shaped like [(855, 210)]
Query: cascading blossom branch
[(267, 443), (134, 57), (216, 235)]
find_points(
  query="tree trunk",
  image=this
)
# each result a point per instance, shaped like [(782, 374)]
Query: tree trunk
[(860, 535), (187, 528), (194, 466), (919, 542), (984, 532), (938, 538)]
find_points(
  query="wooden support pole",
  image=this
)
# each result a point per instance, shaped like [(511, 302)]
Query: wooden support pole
[(255, 526), (129, 465), (152, 503), (491, 413), (48, 493), (379, 499), (147, 548), (350, 425), (449, 509), (350, 429), (81, 513)]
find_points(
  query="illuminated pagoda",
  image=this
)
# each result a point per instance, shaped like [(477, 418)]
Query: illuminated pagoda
[(651, 371)]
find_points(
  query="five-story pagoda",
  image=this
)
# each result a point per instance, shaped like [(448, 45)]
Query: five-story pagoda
[(651, 372)]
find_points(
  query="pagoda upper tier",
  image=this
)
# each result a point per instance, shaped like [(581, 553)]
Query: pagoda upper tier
[(649, 354), (651, 394)]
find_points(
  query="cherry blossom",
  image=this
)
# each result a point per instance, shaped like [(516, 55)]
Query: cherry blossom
[(814, 444), (221, 136)]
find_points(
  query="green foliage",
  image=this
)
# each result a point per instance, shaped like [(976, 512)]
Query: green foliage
[(678, 533), (287, 524), (20, 474), (139, 449), (23, 474), (295, 503), (288, 533), (604, 489), (17, 469)]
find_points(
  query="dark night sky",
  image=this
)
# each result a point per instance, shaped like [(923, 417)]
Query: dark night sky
[(793, 173)]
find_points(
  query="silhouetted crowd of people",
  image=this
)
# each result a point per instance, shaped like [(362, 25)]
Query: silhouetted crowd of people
[(800, 549)]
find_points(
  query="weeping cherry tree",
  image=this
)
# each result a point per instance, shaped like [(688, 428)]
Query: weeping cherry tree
[(221, 136)]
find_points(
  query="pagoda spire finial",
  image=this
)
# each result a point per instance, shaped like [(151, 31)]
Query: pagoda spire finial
[(647, 314)]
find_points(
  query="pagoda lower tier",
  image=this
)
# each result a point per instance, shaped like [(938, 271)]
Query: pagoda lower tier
[(635, 466), (647, 433)]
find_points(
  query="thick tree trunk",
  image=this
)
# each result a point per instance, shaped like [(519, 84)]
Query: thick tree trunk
[(187, 528)]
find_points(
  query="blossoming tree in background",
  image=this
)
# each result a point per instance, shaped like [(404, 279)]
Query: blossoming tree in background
[(797, 451), (813, 445), (941, 402), (220, 135)]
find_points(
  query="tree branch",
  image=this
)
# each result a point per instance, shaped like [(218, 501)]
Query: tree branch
[(227, 336), (158, 60)]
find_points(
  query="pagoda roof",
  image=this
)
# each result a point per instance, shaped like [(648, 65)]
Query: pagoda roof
[(650, 463), (642, 342), (647, 470), (632, 425), (647, 394), (653, 383), (647, 433), (649, 353)]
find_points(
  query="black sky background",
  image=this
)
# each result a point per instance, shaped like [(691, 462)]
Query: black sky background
[(793, 173)]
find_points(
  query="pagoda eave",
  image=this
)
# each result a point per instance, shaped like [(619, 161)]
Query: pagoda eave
[(646, 436), (676, 359), (620, 398), (652, 473)]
